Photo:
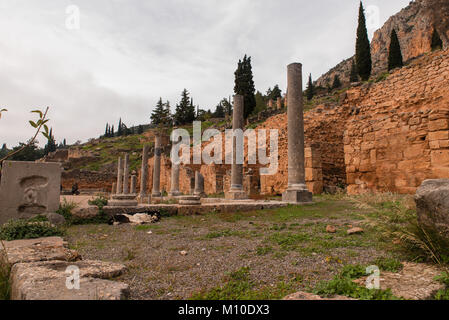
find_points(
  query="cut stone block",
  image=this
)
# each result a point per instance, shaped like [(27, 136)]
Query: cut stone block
[(34, 250), (48, 281), (29, 189), (297, 196)]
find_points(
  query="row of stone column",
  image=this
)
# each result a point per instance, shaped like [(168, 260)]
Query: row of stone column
[(122, 185), (297, 190)]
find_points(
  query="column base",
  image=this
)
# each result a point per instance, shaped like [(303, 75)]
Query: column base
[(200, 194), (174, 194), (144, 199), (156, 195), (236, 195), (297, 196)]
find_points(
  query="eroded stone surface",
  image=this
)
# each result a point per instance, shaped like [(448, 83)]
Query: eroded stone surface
[(310, 296), (47, 281), (43, 249), (415, 281), (432, 204), (28, 189)]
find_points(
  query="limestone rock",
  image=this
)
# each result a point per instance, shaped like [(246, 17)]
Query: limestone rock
[(310, 296), (55, 218), (415, 281), (355, 230), (331, 229), (47, 281), (432, 204), (43, 249)]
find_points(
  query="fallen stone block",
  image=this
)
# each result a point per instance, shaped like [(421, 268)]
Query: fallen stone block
[(49, 281), (43, 249), (432, 204)]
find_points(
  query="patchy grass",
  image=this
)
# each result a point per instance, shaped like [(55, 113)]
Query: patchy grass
[(239, 286), (274, 243), (343, 285)]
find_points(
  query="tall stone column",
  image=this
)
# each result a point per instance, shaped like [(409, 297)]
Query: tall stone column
[(133, 184), (192, 184), (126, 175), (114, 188), (297, 190), (157, 168), (236, 192), (144, 173), (174, 187), (199, 185), (119, 176)]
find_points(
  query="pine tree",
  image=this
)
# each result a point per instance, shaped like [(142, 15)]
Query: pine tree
[(244, 85), (310, 90), (219, 111), (394, 54), (363, 49), (337, 83), (274, 94), (158, 115), (106, 132), (185, 110), (353, 77), (436, 44)]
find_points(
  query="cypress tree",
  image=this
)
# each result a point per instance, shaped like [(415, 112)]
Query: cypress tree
[(106, 132), (337, 82), (120, 128), (244, 85), (363, 49), (436, 44), (310, 91), (394, 54), (354, 77)]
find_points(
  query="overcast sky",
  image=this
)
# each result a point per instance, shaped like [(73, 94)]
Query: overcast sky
[(128, 53)]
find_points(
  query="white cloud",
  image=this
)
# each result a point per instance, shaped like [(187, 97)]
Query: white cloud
[(128, 53)]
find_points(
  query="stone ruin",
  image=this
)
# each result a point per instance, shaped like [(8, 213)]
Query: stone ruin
[(123, 197), (29, 189)]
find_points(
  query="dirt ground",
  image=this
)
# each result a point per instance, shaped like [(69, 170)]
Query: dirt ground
[(282, 251)]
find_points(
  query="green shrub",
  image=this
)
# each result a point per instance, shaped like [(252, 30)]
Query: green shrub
[(23, 229), (65, 209)]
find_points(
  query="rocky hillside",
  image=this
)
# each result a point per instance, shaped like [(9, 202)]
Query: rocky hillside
[(414, 26)]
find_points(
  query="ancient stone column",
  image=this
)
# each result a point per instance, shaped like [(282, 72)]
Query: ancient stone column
[(192, 185), (126, 175), (144, 172), (119, 189), (174, 187), (157, 168), (133, 184), (236, 192), (297, 190), (279, 103), (114, 188), (199, 185)]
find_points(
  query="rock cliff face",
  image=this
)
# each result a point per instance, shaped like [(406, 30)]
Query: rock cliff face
[(414, 26)]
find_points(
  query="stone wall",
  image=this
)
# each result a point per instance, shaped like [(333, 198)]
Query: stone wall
[(88, 180), (398, 135)]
